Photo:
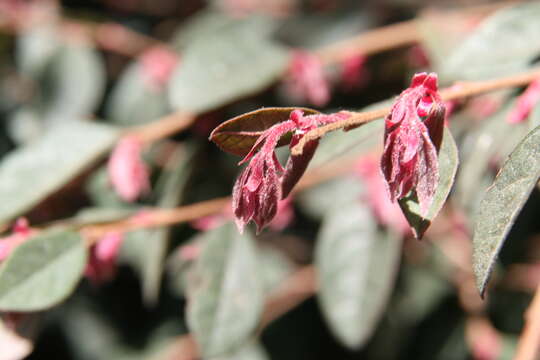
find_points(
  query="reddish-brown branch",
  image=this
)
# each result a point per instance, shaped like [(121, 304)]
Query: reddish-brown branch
[(529, 343), (464, 90)]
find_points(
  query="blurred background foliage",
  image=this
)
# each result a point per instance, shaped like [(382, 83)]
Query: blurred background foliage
[(75, 74)]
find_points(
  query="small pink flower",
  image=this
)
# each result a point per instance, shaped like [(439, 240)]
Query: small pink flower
[(284, 216), (525, 103), (306, 80), (413, 135), (102, 261), (264, 181), (20, 233), (127, 172), (158, 64), (353, 72), (387, 213)]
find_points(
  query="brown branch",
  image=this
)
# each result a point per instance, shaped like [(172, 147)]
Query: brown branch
[(463, 90), (163, 127), (529, 342)]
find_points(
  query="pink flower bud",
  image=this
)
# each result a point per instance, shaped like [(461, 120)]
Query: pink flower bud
[(102, 262), (306, 80), (127, 172), (158, 64), (353, 72), (264, 181), (20, 233), (413, 135), (525, 103)]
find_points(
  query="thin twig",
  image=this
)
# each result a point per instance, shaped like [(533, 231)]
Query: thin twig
[(464, 90), (163, 127), (529, 342)]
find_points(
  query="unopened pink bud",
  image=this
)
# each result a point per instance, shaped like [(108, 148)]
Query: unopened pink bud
[(127, 172), (353, 72), (102, 262), (413, 134)]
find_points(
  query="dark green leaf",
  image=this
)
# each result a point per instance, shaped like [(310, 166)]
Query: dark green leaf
[(448, 163), (30, 174), (238, 135), (42, 271), (357, 265), (502, 203), (481, 56), (223, 67), (224, 308)]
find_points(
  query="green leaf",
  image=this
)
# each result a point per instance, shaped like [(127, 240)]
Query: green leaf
[(448, 163), (238, 135), (133, 101), (481, 56), (73, 83), (223, 311), (36, 45), (502, 203), (356, 267), (223, 67), (42, 271), (320, 199), (29, 174)]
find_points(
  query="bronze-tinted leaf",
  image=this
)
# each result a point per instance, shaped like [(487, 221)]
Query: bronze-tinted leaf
[(238, 134)]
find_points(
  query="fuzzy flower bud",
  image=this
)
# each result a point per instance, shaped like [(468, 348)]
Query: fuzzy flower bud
[(264, 181), (102, 262), (413, 135), (127, 172)]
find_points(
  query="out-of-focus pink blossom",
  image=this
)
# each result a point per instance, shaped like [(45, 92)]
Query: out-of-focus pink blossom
[(306, 80), (242, 8), (387, 213), (284, 216), (264, 181), (418, 57), (158, 64), (20, 233), (128, 173), (525, 103), (101, 265), (413, 135), (353, 72)]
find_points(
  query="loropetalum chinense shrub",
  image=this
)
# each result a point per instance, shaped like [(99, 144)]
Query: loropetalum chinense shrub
[(411, 221)]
